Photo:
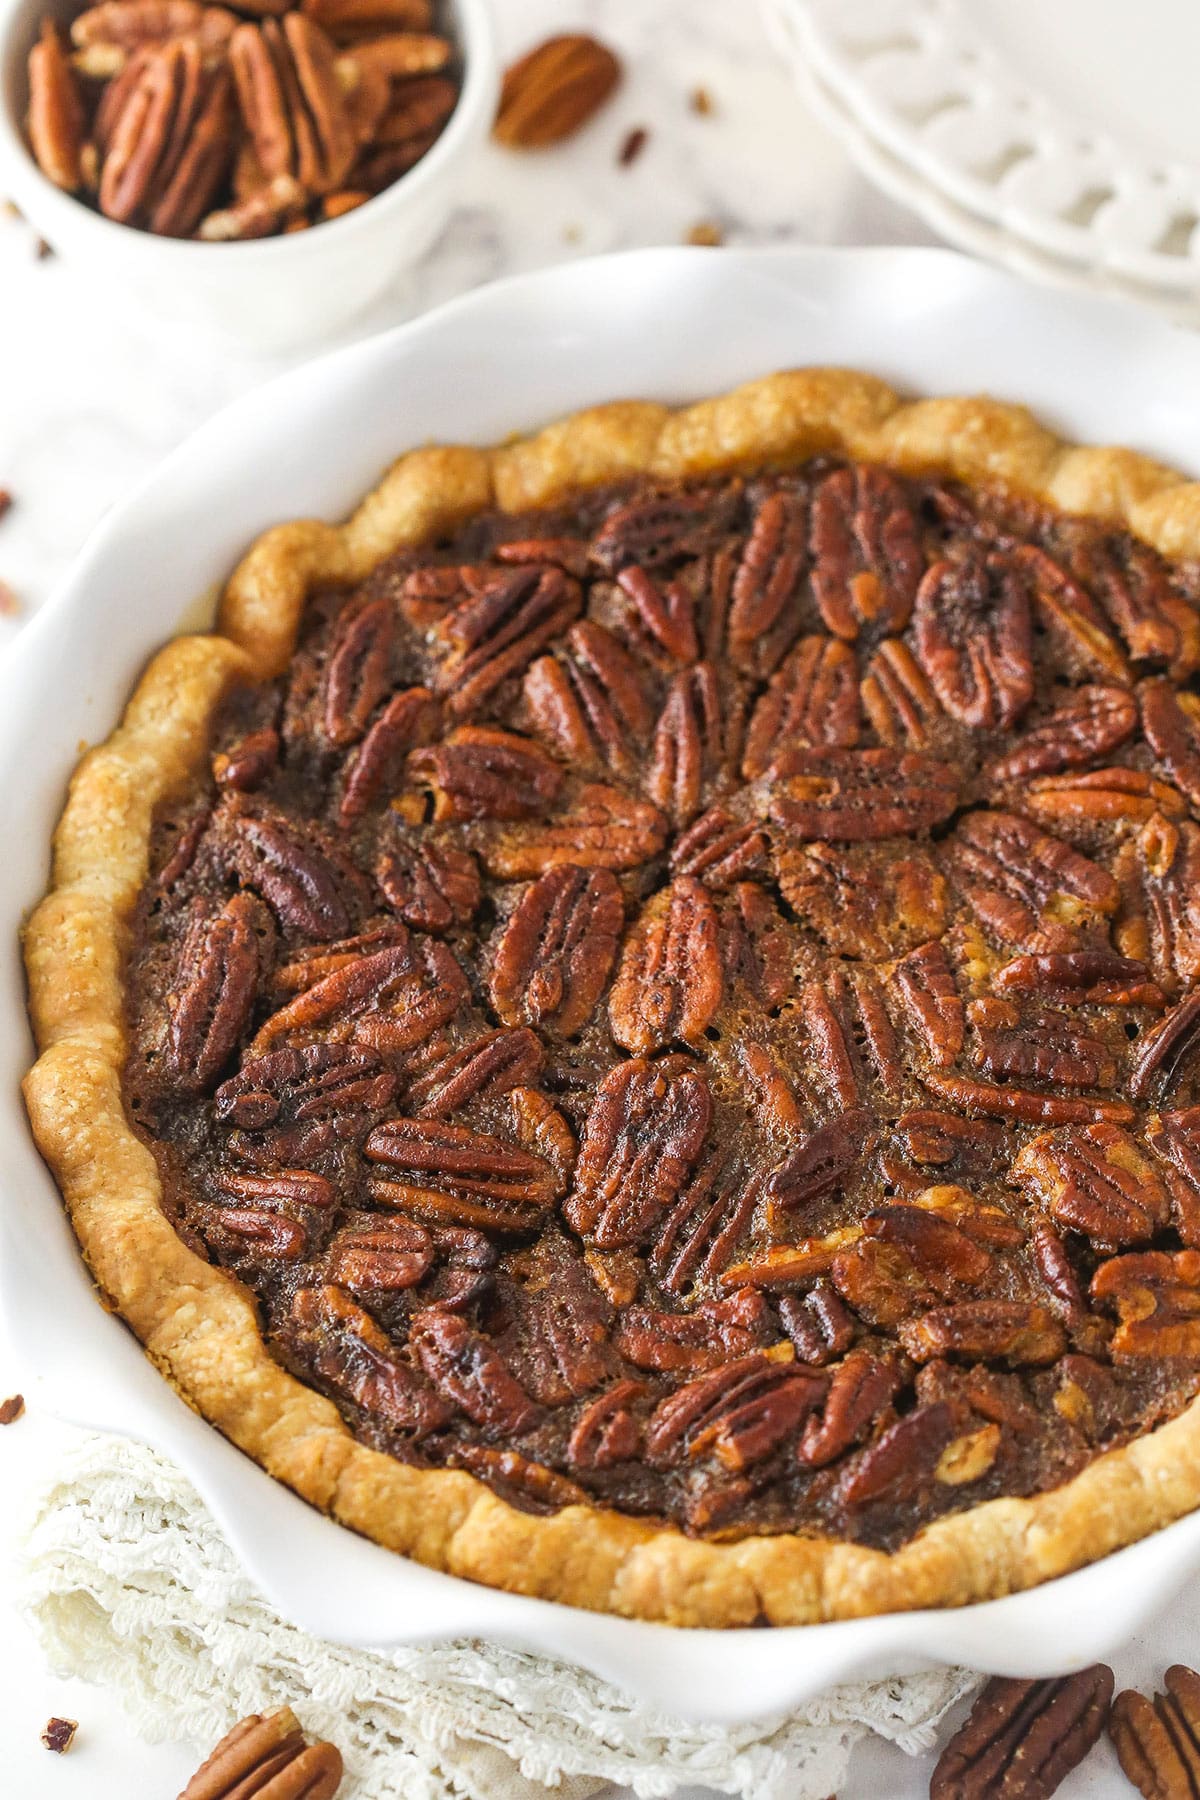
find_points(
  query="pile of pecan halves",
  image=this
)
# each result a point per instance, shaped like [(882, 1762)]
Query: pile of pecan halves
[(190, 120)]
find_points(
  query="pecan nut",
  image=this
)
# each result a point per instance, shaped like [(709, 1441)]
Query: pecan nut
[(107, 36), (1091, 722), (588, 703), (410, 719), (1023, 1738), (56, 121), (1156, 1297), (462, 1177), (350, 1351), (688, 747), (1010, 1331), (552, 91), (1171, 723), (866, 552), (292, 101), (871, 902), (604, 828), (764, 612), (495, 629), (469, 1370), (169, 146), (324, 1091), (558, 949), (356, 674), (1026, 887), (267, 1756), (210, 1009), (669, 983), (898, 698), (1158, 1741), (852, 795), (1096, 1179), (481, 772), (811, 699), (433, 886), (974, 638), (642, 1140)]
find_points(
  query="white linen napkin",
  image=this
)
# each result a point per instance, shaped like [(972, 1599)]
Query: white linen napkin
[(128, 1582)]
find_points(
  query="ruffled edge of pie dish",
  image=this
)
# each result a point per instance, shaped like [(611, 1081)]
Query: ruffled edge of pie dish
[(199, 1325)]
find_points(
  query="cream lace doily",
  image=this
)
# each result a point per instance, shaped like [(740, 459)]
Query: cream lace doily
[(128, 1582)]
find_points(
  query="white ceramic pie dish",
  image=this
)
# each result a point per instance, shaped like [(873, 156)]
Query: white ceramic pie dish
[(668, 324)]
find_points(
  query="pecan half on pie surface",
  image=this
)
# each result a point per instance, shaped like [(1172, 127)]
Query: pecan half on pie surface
[(675, 997)]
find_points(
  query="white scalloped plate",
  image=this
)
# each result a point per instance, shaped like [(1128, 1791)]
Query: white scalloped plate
[(1067, 131), (673, 324)]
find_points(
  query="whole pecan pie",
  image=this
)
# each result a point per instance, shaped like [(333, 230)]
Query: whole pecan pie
[(628, 1026)]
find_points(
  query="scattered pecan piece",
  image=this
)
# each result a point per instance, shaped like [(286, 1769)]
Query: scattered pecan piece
[(819, 1324), (448, 1172), (642, 1140), (866, 552), (820, 1165), (669, 983), (1031, 1108), (558, 949), (265, 1756), (738, 1414), (493, 1064), (1158, 1741), (59, 1734), (1023, 1738), (246, 764), (11, 1409), (974, 638), (528, 1484), (553, 91)]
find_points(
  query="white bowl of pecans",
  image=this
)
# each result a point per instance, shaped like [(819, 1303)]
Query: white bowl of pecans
[(264, 170)]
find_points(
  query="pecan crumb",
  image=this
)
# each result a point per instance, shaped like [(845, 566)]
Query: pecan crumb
[(701, 102), (42, 250), (635, 142), (6, 501), (9, 604), (706, 233), (59, 1735), (11, 1409)]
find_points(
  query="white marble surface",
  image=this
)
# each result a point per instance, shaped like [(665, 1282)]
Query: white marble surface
[(91, 393)]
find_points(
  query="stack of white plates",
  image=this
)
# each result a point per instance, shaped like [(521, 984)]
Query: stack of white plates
[(1061, 139)]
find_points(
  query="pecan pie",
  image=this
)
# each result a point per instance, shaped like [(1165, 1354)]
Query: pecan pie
[(628, 1026)]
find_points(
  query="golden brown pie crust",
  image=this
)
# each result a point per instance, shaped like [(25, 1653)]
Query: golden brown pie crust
[(198, 1324)]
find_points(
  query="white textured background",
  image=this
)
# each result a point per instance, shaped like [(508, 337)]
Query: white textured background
[(92, 394)]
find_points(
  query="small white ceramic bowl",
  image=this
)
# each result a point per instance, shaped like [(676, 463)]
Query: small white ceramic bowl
[(665, 324), (273, 293)]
